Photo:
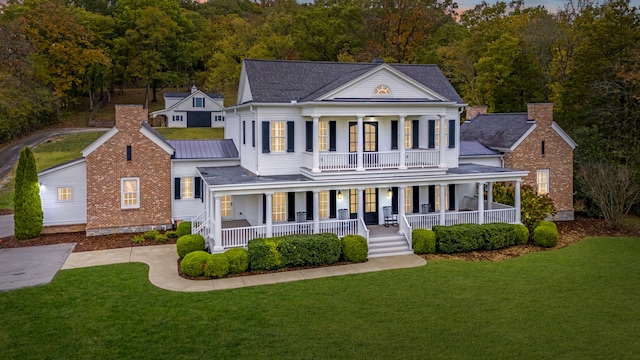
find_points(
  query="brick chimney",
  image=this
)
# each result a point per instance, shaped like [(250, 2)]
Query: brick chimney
[(130, 117), (542, 113), (473, 111)]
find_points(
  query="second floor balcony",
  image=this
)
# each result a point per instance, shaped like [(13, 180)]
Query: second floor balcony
[(379, 160)]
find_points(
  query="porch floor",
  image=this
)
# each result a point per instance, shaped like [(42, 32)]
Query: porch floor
[(377, 231)]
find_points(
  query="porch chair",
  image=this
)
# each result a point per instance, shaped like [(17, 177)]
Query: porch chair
[(389, 217)]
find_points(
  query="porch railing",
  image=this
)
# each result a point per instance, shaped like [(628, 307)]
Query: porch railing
[(292, 228), (338, 161), (423, 221), (199, 225), (406, 229), (422, 158), (500, 215), (339, 227), (240, 236), (381, 160), (363, 230), (461, 217)]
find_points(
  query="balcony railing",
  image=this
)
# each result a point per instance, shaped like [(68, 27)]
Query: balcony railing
[(337, 161)]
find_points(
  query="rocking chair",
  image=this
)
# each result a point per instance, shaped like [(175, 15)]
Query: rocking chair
[(389, 217)]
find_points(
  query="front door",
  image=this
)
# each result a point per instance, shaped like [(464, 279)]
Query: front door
[(370, 140), (371, 206)]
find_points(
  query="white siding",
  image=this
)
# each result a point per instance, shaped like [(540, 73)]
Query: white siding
[(366, 87), (281, 163), (248, 153), (482, 160), (70, 211)]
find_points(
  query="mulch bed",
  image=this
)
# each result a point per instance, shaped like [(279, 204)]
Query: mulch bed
[(83, 243)]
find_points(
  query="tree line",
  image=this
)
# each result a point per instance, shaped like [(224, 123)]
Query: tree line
[(584, 58)]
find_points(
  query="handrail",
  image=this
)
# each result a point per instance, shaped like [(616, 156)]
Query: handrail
[(363, 230), (407, 230), (197, 221)]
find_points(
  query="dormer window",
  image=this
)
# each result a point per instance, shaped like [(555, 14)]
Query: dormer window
[(198, 102), (382, 90)]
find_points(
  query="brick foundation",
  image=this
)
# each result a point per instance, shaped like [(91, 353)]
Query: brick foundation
[(59, 229), (128, 229)]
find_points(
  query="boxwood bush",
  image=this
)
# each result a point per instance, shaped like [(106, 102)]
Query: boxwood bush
[(238, 260), (293, 250), (189, 243), (548, 223), (498, 235), (194, 263), (184, 228), (217, 266), (354, 248), (424, 241), (458, 238), (264, 254), (522, 234), (321, 249), (545, 236)]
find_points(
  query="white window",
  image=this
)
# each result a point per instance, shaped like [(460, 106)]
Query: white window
[(446, 134), (382, 90), (219, 118), (186, 187), (408, 198), (542, 180), (130, 190), (446, 197), (323, 205), (278, 136), (198, 102), (225, 206), (353, 201), (408, 138), (323, 138), (177, 117), (279, 207), (65, 194)]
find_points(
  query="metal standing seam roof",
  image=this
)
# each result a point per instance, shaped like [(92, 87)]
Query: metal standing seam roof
[(497, 131), (280, 81), (204, 149), (474, 148)]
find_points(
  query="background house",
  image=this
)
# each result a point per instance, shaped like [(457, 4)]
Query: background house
[(193, 109), (529, 141)]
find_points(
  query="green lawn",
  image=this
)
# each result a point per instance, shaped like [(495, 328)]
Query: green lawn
[(191, 133), (573, 303)]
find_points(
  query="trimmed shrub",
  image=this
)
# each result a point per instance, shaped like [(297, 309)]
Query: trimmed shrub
[(545, 236), (292, 249), (498, 235), (162, 238), (194, 263), (151, 234), (424, 241), (238, 260), (171, 234), (217, 266), (184, 228), (522, 234), (458, 238), (27, 205), (189, 243), (321, 249), (354, 248), (548, 223), (263, 254), (138, 239)]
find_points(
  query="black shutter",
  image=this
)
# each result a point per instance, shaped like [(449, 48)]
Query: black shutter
[(197, 187), (203, 105), (452, 196), (193, 102), (332, 136), (332, 204), (309, 136), (129, 152), (291, 206), (176, 188), (253, 133), (452, 134), (291, 138), (394, 200), (415, 134), (415, 202), (266, 146), (542, 147), (244, 132), (394, 134), (432, 198), (309, 205), (264, 208), (432, 134)]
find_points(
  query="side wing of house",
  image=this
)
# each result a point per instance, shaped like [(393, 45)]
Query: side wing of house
[(63, 191)]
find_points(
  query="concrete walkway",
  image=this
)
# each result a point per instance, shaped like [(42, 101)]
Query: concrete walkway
[(6, 226), (163, 272), (31, 266)]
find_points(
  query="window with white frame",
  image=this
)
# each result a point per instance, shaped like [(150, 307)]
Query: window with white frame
[(65, 194), (186, 188), (198, 102), (408, 197), (353, 201), (279, 207), (446, 197), (130, 193), (177, 118), (278, 139), (408, 138), (323, 204), (446, 134), (225, 206), (323, 138), (219, 118), (542, 181)]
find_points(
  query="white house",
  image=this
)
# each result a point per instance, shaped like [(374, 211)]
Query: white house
[(194, 109)]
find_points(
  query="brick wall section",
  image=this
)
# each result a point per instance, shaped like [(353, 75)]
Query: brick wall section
[(558, 158), (108, 164), (473, 111)]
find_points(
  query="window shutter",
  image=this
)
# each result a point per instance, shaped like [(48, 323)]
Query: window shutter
[(244, 132), (128, 152), (309, 205), (197, 187), (452, 134), (203, 102), (394, 200), (253, 133), (415, 202), (193, 102), (264, 208), (332, 136), (332, 204), (432, 134), (432, 198), (542, 147), (394, 134), (415, 134), (309, 136), (291, 206), (452, 196), (266, 144), (176, 188), (291, 138)]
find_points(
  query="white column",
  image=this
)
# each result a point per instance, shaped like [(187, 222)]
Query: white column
[(480, 203), (490, 196), (516, 198), (218, 223), (401, 141), (316, 211), (360, 137), (442, 208), (441, 118), (316, 144), (268, 209), (361, 204), (401, 204)]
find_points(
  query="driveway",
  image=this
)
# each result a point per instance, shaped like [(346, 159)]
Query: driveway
[(31, 266), (6, 226)]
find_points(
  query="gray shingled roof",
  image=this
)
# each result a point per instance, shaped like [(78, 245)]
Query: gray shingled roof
[(204, 149), (229, 175), (279, 81), (497, 131), (185, 94), (474, 148)]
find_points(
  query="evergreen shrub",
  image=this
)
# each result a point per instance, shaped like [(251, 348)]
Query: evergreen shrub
[(238, 260), (151, 234), (423, 241), (548, 223), (194, 263), (171, 234), (354, 248), (522, 234), (545, 236), (162, 238), (217, 266), (498, 235), (264, 254), (189, 243), (184, 228), (27, 205), (458, 238)]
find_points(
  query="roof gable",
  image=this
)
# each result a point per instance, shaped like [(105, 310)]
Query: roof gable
[(209, 99), (498, 131)]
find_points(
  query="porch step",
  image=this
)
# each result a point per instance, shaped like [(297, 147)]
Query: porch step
[(388, 246)]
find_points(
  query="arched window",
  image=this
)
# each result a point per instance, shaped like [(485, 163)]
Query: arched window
[(383, 90)]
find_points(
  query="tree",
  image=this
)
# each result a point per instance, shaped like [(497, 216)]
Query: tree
[(27, 207)]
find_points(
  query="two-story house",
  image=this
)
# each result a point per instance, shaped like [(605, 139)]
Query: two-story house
[(192, 109)]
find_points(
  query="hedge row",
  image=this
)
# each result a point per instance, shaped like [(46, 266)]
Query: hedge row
[(469, 237), (199, 263), (294, 250)]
